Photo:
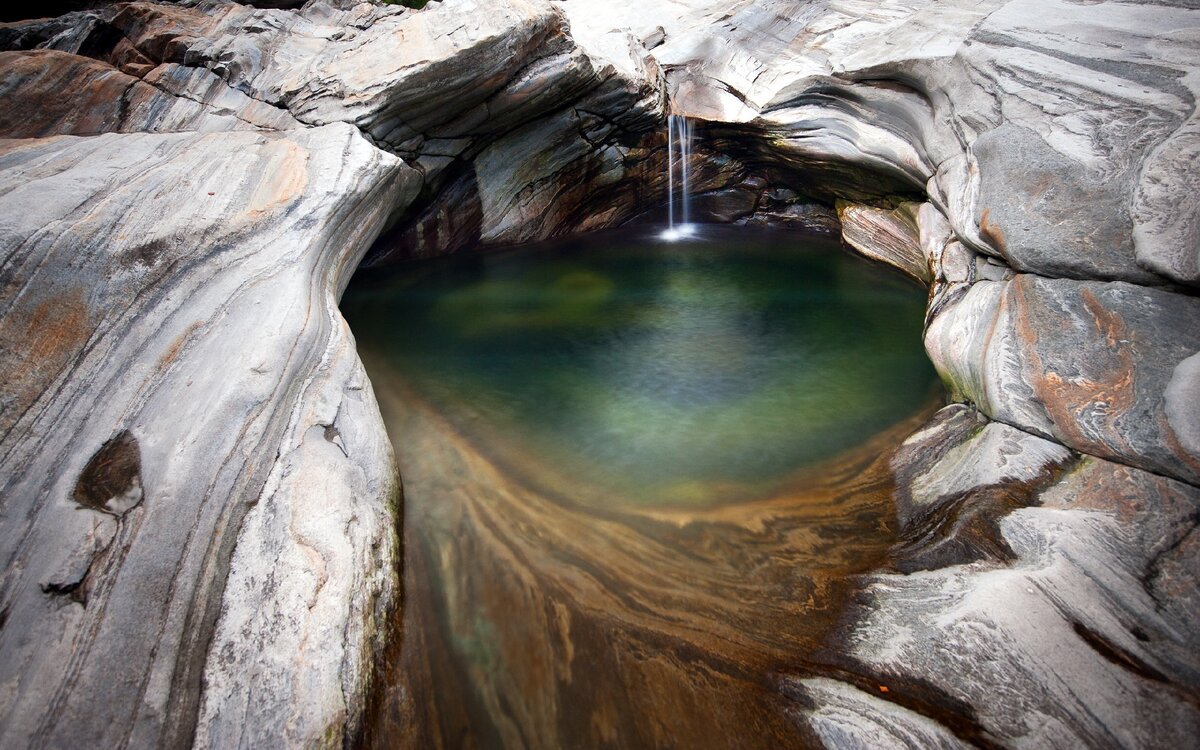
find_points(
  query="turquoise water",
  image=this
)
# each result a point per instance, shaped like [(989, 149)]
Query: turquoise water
[(695, 372)]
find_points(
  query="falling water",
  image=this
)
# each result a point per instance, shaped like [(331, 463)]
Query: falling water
[(679, 142)]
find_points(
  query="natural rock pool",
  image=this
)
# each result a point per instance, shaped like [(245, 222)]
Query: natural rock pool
[(637, 476)]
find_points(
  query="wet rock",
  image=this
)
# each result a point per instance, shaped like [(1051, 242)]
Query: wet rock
[(1055, 136), (948, 509), (725, 206), (234, 250), (812, 217), (170, 292)]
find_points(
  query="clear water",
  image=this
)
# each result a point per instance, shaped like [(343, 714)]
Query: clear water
[(696, 372)]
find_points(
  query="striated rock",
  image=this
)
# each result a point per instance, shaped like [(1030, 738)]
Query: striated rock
[(948, 511), (806, 216), (592, 163), (102, 99), (1071, 640), (1053, 135), (847, 717), (297, 644), (250, 583), (188, 410), (888, 235), (1089, 364), (1165, 213), (1071, 644), (1089, 91), (458, 87)]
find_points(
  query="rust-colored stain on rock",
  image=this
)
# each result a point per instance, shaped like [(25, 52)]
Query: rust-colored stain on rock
[(992, 232), (1085, 404), (288, 175), (37, 339), (172, 352)]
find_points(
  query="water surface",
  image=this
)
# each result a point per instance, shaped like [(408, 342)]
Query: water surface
[(693, 372), (639, 479)]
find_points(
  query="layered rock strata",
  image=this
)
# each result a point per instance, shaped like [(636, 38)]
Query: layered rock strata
[(1027, 160), (191, 185), (186, 412), (200, 495)]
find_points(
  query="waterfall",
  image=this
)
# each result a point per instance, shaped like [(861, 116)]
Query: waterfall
[(679, 144)]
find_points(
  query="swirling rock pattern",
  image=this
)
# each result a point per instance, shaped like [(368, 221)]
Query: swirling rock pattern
[(1047, 143), (180, 372), (196, 182), (211, 544)]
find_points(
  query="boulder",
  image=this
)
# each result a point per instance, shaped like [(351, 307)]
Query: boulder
[(1084, 638)]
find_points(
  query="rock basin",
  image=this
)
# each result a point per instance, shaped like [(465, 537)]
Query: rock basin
[(639, 477)]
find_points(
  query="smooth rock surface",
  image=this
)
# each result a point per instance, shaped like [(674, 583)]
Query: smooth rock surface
[(462, 90), (282, 598), (170, 308), (887, 235), (1088, 364), (1072, 643), (105, 100), (188, 408), (1053, 134)]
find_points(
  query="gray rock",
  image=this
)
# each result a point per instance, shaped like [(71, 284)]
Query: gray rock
[(849, 718), (1070, 644), (725, 206), (169, 310), (54, 93), (188, 408), (1088, 364), (1054, 135), (972, 452), (811, 217)]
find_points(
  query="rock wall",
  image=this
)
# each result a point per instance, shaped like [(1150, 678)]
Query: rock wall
[(198, 496), (171, 334), (1029, 161)]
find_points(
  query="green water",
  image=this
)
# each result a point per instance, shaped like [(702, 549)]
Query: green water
[(694, 372)]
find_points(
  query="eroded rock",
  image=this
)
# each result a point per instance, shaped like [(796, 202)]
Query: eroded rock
[(193, 281), (888, 235), (1072, 641), (1088, 364)]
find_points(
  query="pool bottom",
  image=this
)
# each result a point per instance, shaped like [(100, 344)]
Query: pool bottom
[(532, 621)]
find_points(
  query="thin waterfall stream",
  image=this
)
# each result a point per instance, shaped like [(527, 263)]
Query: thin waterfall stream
[(680, 132)]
